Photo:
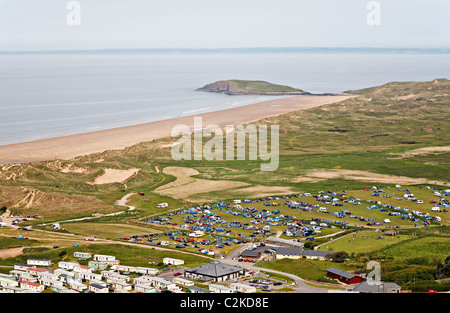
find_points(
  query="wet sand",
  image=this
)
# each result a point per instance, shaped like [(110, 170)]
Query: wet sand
[(68, 147)]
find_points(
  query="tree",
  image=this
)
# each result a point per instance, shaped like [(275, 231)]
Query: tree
[(337, 257), (443, 270)]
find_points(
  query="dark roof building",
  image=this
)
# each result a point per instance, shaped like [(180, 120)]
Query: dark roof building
[(214, 271), (285, 252), (250, 254), (316, 254), (381, 287), (343, 276)]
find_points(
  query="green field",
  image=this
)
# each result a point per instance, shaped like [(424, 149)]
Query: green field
[(107, 231), (307, 269), (362, 242), (128, 255)]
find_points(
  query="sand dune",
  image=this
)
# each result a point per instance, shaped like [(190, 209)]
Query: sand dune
[(111, 176)]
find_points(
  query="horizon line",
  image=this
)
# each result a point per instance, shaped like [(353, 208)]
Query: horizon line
[(287, 49)]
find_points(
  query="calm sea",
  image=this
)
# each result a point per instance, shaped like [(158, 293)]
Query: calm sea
[(43, 96)]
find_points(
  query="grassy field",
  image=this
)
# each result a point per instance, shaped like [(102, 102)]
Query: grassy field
[(106, 231), (307, 269), (128, 255), (362, 242), (429, 247)]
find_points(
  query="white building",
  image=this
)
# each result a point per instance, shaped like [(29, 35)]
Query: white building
[(48, 282), (143, 280), (78, 287), (81, 268), (161, 283), (67, 265), (11, 289), (183, 282), (171, 261), (242, 288), (21, 267), (109, 259), (116, 284), (98, 288), (147, 271), (82, 255), (124, 268), (8, 280), (144, 289), (214, 288), (39, 262), (32, 286), (89, 276)]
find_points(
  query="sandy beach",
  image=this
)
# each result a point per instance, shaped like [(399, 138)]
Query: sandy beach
[(68, 147)]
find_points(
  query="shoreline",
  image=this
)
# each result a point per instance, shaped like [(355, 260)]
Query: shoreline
[(71, 146)]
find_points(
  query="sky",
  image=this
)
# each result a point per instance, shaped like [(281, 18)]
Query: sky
[(131, 24)]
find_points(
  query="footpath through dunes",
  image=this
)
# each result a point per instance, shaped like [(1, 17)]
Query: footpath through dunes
[(69, 147)]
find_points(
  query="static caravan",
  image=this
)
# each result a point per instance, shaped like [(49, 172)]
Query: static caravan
[(242, 288), (147, 271), (214, 288), (8, 281), (11, 289), (109, 259), (124, 268), (120, 285), (31, 286), (21, 267), (113, 279), (98, 265), (39, 262), (78, 287), (90, 276), (145, 289), (82, 255), (28, 277), (48, 282), (160, 283), (143, 280), (119, 277), (98, 288), (98, 282), (171, 261), (17, 273), (81, 268), (183, 282), (67, 265)]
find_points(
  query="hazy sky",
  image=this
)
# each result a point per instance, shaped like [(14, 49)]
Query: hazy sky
[(42, 25)]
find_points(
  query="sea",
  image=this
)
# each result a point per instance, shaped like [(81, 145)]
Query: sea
[(44, 95)]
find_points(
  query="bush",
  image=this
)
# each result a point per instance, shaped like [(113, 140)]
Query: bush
[(424, 286), (417, 261), (443, 270), (337, 257)]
